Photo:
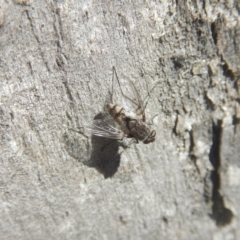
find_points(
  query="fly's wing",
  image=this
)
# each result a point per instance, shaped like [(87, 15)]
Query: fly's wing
[(105, 128)]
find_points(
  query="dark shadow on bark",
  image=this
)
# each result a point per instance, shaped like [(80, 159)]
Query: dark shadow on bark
[(221, 214), (104, 156)]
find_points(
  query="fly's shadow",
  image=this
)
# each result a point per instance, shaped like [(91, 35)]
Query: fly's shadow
[(102, 153), (104, 156)]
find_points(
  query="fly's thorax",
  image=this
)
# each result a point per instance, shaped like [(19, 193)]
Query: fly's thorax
[(138, 129), (117, 113)]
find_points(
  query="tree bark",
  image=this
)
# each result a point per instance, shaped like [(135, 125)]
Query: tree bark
[(56, 60)]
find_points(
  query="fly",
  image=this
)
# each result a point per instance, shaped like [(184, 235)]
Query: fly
[(120, 123)]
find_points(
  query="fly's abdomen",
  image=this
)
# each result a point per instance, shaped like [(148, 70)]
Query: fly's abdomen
[(117, 113)]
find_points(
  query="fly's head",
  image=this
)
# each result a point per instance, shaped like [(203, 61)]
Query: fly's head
[(151, 137)]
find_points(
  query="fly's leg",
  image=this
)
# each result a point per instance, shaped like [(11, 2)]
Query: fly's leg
[(115, 72), (107, 144), (126, 145), (139, 104), (151, 120), (80, 132), (146, 99)]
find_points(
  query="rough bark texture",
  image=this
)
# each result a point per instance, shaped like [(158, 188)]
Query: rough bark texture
[(56, 60)]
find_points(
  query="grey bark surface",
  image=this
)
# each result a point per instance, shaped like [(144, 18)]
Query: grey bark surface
[(56, 60)]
